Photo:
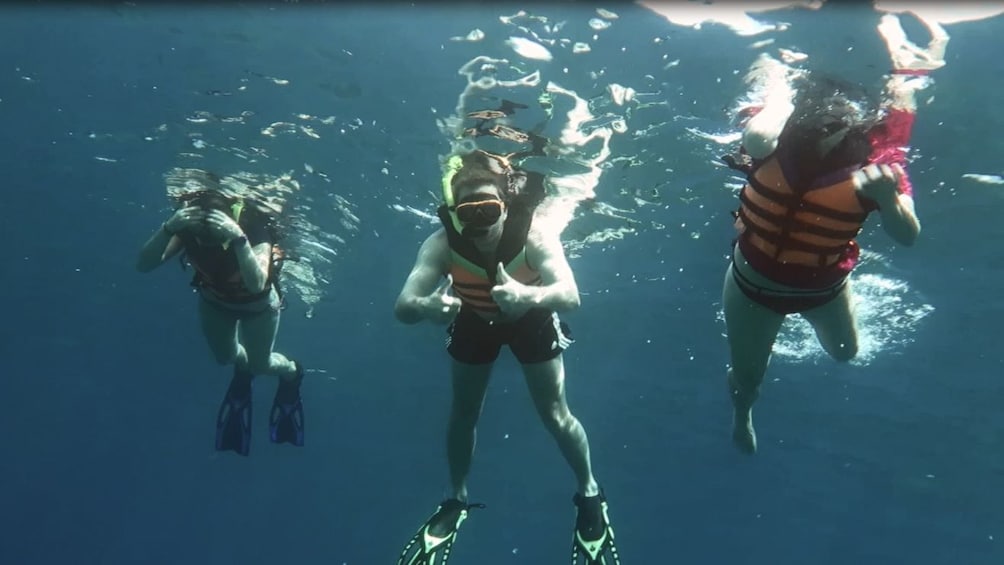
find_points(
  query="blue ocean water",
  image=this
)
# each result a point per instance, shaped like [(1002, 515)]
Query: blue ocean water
[(111, 392)]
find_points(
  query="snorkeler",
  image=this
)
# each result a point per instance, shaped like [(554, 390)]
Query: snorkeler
[(510, 277), (229, 242), (817, 163)]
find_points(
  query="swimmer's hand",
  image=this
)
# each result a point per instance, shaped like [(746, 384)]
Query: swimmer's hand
[(441, 307), (878, 182), (221, 226), (512, 296), (186, 219)]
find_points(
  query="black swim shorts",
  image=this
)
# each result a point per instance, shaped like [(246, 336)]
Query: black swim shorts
[(536, 337)]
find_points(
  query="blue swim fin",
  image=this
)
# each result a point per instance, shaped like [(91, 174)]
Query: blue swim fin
[(285, 422), (233, 421)]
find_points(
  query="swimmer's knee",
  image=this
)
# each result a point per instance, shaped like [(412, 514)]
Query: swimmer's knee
[(226, 352), (747, 381), (467, 420), (556, 417), (843, 352), (465, 415), (843, 356)]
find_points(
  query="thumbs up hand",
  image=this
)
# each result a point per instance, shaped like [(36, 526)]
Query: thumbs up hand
[(441, 305), (513, 297)]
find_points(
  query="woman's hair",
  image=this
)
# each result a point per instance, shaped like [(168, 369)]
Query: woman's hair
[(824, 106), (479, 168)]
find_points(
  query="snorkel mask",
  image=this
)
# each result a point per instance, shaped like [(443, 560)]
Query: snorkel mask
[(475, 216)]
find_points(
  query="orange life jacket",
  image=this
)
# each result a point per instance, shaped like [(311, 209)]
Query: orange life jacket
[(474, 275), (812, 228)]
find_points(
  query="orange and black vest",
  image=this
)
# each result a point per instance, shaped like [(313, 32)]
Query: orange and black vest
[(474, 275), (811, 226), (216, 269)]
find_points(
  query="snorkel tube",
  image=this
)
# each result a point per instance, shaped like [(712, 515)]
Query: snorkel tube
[(235, 212), (452, 167), (236, 208)]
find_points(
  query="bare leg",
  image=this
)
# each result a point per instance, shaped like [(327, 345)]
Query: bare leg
[(470, 382), (546, 382), (900, 89), (258, 336), (751, 329), (835, 325), (220, 330)]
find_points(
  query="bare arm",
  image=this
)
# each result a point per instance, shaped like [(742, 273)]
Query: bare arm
[(879, 183), (253, 263), (770, 81), (763, 130), (900, 221), (558, 290), (161, 246), (419, 298), (165, 243)]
